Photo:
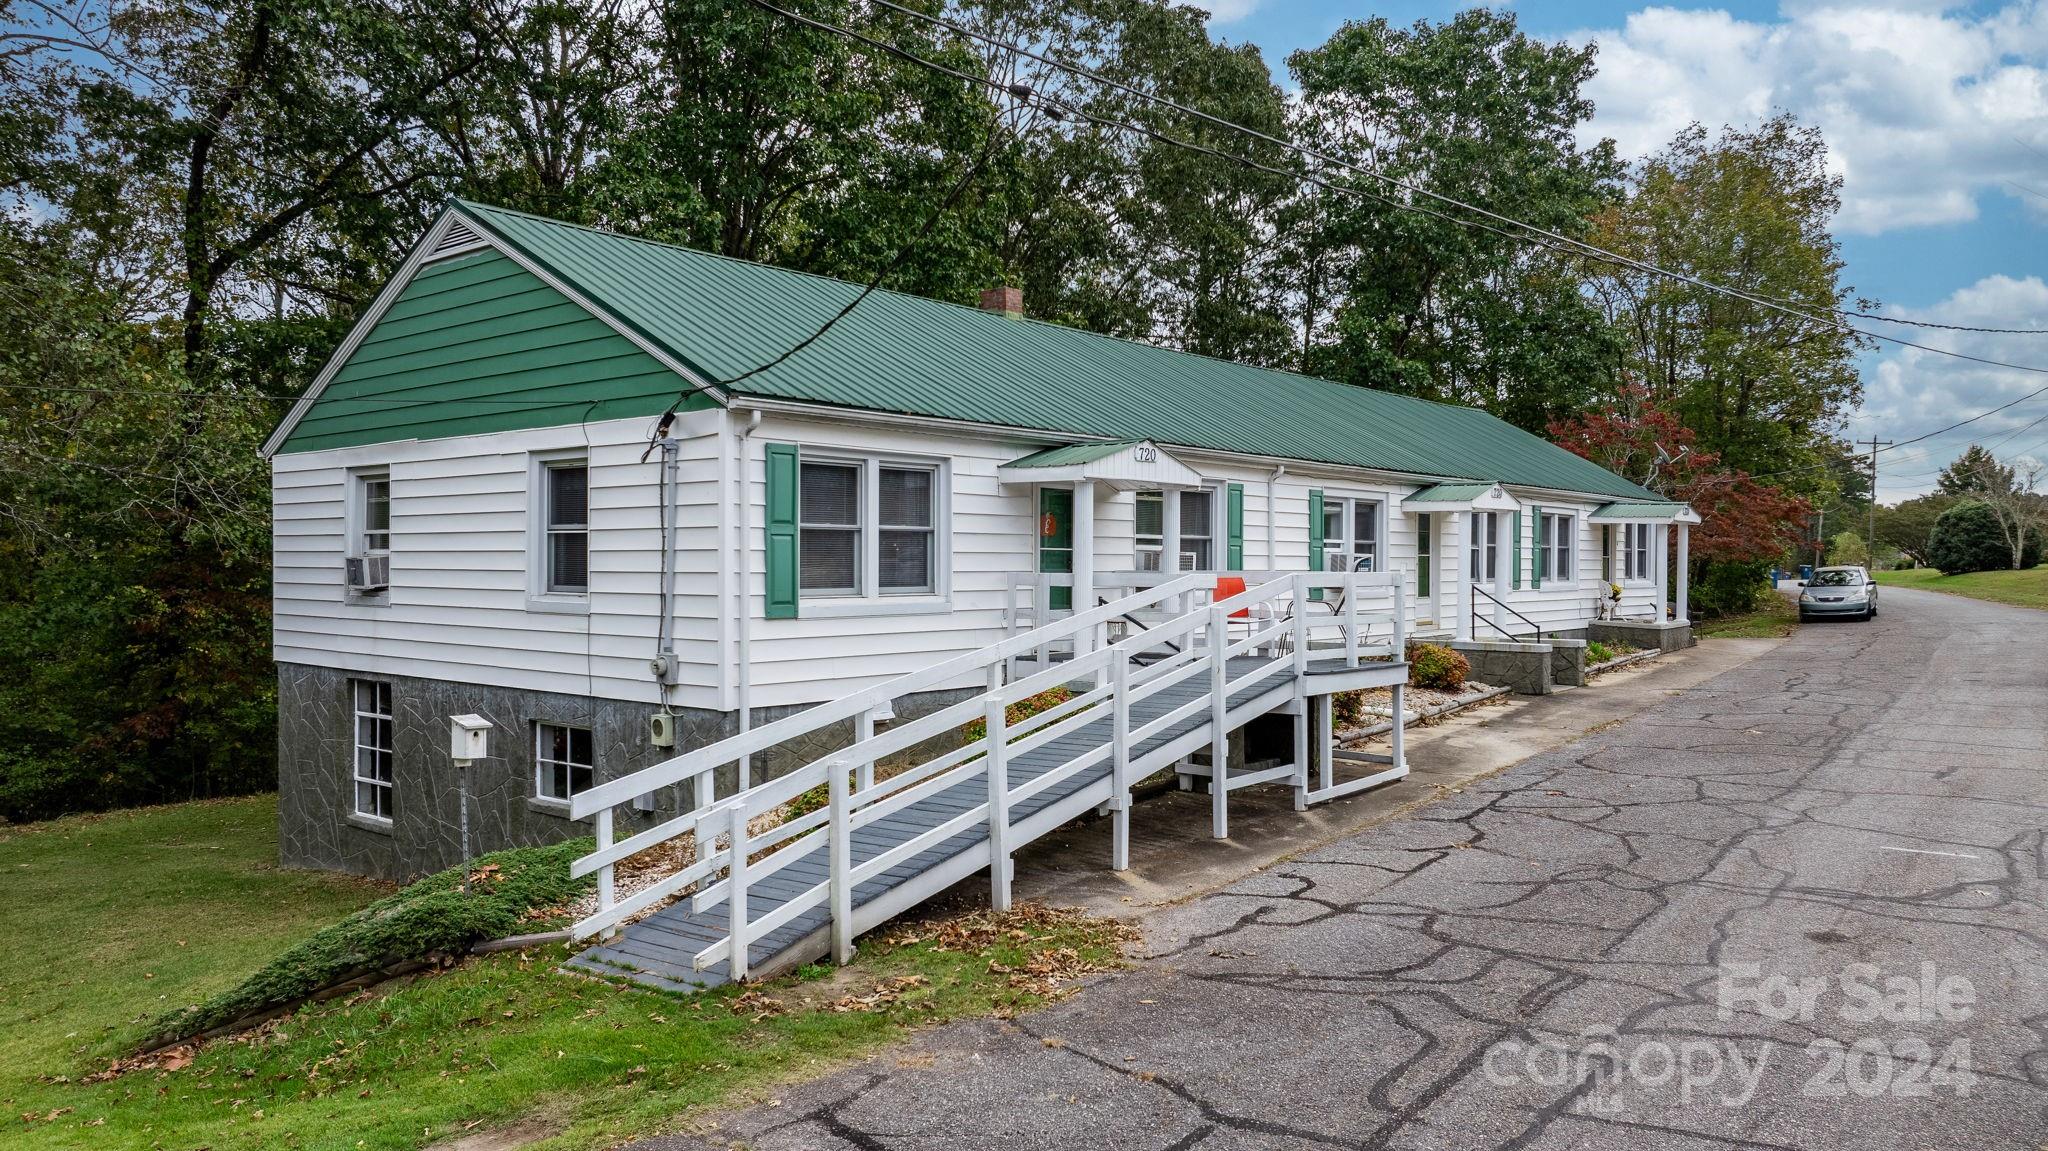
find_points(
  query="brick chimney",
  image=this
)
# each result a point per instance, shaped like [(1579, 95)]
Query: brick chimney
[(1009, 301)]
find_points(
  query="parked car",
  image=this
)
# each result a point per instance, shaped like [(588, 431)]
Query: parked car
[(1838, 591)]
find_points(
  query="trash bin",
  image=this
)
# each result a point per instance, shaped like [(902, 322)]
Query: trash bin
[(1805, 573)]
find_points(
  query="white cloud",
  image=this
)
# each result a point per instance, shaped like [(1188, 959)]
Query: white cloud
[(1227, 11), (1924, 109), (1909, 392)]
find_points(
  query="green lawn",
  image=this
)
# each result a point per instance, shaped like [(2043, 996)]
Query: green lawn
[(1778, 617), (2027, 588), (112, 919)]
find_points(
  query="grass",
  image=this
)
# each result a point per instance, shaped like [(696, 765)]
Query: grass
[(1777, 618), (115, 919), (2027, 588)]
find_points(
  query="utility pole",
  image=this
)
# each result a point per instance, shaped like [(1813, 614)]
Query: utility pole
[(1870, 526)]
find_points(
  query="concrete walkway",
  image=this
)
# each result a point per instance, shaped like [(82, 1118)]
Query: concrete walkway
[(1174, 858), (1664, 935)]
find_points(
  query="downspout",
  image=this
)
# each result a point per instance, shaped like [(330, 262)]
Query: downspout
[(1273, 518), (744, 676)]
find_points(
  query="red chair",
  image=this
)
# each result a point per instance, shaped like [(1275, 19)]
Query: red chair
[(1227, 586)]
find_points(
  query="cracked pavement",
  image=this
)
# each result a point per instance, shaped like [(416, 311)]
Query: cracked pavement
[(1558, 957)]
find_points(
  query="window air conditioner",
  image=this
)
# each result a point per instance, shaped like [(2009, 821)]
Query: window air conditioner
[(369, 573)]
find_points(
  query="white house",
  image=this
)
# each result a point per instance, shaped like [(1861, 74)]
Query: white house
[(578, 484)]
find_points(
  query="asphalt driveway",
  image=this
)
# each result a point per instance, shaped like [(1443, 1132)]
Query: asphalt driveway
[(1800, 905)]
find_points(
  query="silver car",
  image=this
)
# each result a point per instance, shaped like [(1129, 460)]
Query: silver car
[(1839, 591)]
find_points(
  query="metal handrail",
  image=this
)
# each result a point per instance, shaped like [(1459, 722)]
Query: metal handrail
[(1535, 629)]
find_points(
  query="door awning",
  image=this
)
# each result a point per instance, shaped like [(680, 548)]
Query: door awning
[(1645, 513), (1128, 465), (1466, 496)]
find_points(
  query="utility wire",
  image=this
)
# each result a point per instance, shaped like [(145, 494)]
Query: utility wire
[(1782, 305), (1534, 235)]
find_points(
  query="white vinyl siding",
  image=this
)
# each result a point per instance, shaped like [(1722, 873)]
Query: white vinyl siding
[(466, 536)]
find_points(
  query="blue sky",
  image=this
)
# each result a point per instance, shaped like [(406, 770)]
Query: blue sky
[(1937, 115)]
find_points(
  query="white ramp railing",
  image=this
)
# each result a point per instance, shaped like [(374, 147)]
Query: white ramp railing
[(1275, 621)]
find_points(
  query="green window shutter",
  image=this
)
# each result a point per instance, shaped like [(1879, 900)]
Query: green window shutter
[(1536, 568), (1234, 495), (780, 572), (1514, 556), (1315, 536)]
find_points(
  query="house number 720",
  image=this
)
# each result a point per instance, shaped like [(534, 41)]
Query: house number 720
[(1145, 454)]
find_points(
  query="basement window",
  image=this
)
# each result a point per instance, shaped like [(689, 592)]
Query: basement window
[(564, 761), (373, 749)]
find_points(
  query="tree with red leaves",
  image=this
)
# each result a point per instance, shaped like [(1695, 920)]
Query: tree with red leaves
[(1744, 520)]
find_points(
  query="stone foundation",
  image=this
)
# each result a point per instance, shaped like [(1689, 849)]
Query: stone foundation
[(1644, 633), (1567, 661), (1525, 668), (315, 776)]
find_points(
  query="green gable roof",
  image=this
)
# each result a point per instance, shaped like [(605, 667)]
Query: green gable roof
[(906, 354), (1071, 454), (1449, 493), (1642, 510)]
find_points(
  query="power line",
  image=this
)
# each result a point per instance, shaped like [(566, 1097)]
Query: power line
[(1533, 234), (1789, 307)]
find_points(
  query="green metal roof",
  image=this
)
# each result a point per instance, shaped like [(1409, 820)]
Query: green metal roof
[(907, 354), (1661, 510), (1071, 454), (1449, 493)]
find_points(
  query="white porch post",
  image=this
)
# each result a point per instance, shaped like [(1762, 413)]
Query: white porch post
[(1084, 560), (1504, 566), (1169, 530), (1660, 546), (1684, 531), (1461, 538)]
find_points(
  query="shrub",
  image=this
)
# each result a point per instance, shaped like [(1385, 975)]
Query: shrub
[(1849, 549), (1967, 538), (1597, 652), (433, 916), (1728, 587), (1018, 712), (1433, 665)]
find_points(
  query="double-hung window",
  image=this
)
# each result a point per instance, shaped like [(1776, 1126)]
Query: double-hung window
[(373, 514), (373, 741), (565, 519), (1485, 545), (1352, 528), (1560, 546), (1635, 551), (562, 759), (867, 527), (1197, 532)]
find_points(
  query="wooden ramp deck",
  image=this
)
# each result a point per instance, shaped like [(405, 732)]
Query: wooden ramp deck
[(660, 949)]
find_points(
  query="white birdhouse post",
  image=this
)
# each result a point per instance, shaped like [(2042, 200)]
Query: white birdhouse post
[(469, 739)]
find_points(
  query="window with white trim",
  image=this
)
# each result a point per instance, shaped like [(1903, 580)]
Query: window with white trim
[(373, 745), (1560, 547), (867, 527), (1197, 530), (565, 520), (1635, 551), (1352, 527), (564, 761), (1484, 549), (371, 534)]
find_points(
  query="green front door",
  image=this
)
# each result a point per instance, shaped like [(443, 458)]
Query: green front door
[(1423, 552), (1056, 541)]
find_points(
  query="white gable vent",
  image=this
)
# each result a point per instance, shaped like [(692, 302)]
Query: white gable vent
[(459, 238)]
